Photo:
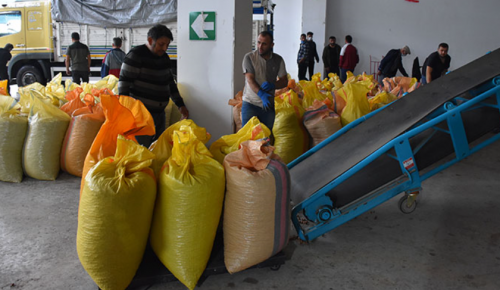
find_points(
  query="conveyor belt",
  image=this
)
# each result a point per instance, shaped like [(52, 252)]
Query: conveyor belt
[(317, 170)]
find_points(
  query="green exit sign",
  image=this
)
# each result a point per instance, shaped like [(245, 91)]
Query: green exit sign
[(202, 26)]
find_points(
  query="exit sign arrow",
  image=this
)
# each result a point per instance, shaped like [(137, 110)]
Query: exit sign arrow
[(199, 26), (202, 26)]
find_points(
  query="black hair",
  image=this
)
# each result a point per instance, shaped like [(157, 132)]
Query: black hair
[(75, 36), (9, 46), (310, 33), (267, 33), (302, 35), (333, 37), (348, 38), (443, 45), (117, 41), (159, 31)]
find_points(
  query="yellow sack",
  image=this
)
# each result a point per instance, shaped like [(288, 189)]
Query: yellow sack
[(357, 103), (290, 136), (108, 82), (188, 208), (13, 127), (311, 93), (257, 209), (69, 85), (44, 139), (115, 214), (56, 89), (162, 148), (252, 130), (381, 100)]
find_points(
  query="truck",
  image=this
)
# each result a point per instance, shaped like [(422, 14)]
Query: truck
[(40, 41), (41, 31)]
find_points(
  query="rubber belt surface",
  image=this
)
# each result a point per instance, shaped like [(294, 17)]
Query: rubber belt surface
[(338, 156)]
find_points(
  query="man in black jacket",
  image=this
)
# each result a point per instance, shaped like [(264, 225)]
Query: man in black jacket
[(5, 56), (313, 54), (392, 62), (331, 55)]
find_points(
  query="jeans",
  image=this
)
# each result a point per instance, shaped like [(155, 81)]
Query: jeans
[(77, 75), (423, 80), (266, 117), (160, 123), (343, 74)]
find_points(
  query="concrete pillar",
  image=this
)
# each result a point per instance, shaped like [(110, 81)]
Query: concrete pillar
[(291, 19), (210, 71), (314, 20)]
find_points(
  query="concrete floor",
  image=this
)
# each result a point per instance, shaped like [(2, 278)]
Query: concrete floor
[(452, 240)]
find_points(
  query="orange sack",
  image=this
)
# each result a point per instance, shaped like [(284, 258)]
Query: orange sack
[(124, 116), (83, 128)]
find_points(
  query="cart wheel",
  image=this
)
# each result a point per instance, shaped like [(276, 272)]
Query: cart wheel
[(405, 207), (275, 267)]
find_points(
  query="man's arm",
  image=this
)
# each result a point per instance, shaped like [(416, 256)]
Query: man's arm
[(281, 82), (89, 60), (130, 71), (316, 56), (105, 67), (428, 74), (324, 57), (282, 77), (250, 77), (66, 61), (401, 67)]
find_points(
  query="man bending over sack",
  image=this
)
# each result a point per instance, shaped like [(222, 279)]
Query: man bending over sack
[(146, 75), (262, 67)]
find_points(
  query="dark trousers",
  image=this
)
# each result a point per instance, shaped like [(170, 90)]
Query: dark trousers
[(302, 71), (334, 69), (311, 69), (78, 74), (160, 122)]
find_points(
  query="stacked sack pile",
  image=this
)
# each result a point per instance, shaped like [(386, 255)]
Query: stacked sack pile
[(308, 112), (40, 133)]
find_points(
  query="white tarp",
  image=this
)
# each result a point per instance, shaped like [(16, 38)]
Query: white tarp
[(115, 13)]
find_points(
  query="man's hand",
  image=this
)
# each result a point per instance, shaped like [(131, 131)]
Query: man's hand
[(266, 99), (379, 73), (268, 87), (68, 72), (184, 112)]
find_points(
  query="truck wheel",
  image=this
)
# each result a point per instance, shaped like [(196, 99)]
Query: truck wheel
[(28, 74)]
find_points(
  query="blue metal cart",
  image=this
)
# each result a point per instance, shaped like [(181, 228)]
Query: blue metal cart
[(451, 131)]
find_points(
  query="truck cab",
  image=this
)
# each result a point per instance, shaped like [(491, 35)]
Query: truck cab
[(27, 26)]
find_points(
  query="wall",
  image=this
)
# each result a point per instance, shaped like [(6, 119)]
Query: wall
[(209, 72), (291, 19), (287, 30), (469, 27), (313, 19)]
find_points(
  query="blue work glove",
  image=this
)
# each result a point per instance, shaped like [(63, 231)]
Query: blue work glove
[(268, 87), (266, 99)]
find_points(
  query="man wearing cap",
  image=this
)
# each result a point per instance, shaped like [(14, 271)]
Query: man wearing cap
[(392, 62)]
